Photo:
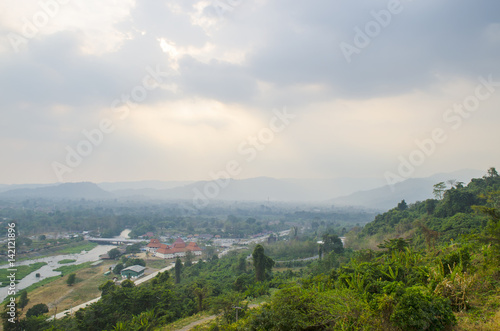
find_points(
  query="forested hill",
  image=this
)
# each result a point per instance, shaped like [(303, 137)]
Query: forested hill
[(447, 217)]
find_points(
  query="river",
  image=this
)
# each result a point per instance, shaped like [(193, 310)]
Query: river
[(52, 263)]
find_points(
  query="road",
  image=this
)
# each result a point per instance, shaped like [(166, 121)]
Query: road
[(141, 280)]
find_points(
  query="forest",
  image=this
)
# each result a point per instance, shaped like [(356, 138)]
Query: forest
[(431, 265)]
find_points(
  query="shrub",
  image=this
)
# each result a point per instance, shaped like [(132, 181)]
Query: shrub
[(420, 310)]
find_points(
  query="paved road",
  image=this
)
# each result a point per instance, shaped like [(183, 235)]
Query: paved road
[(141, 280)]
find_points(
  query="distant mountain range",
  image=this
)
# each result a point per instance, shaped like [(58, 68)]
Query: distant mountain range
[(367, 192), (411, 190), (69, 191)]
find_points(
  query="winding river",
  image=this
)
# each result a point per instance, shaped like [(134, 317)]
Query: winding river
[(52, 263)]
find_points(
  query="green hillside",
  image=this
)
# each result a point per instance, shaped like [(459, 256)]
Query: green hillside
[(432, 265)]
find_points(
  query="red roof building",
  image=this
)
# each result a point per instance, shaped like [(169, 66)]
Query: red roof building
[(153, 245), (178, 249)]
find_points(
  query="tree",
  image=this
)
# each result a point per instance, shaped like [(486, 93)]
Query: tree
[(42, 237), (114, 253), (430, 206), (492, 172), (10, 317), (71, 279), (178, 270), (135, 248), (491, 234), (127, 283), (118, 268), (439, 189), (23, 300), (402, 205), (37, 310), (242, 264), (189, 259), (332, 242), (261, 263), (452, 182), (200, 291), (107, 287)]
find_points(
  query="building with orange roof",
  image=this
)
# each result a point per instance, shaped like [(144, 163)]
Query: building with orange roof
[(177, 249), (153, 245)]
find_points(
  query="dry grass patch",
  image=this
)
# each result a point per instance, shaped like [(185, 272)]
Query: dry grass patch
[(58, 293)]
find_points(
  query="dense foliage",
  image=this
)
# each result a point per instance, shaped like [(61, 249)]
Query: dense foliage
[(427, 280), (435, 264)]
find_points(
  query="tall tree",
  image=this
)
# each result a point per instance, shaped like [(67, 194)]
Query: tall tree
[(439, 189), (492, 172), (261, 263), (491, 234), (178, 270), (402, 205), (189, 259), (23, 300), (242, 264)]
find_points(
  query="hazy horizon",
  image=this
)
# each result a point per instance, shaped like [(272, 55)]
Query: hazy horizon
[(194, 90)]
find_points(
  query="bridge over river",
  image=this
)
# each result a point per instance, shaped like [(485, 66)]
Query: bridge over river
[(115, 241)]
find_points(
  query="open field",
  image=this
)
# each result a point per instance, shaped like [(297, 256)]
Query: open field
[(58, 294)]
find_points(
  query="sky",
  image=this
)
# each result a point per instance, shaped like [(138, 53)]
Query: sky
[(108, 90)]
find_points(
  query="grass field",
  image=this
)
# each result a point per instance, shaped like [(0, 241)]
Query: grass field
[(21, 272), (158, 263), (66, 261), (57, 293)]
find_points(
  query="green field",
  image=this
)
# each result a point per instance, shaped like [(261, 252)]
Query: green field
[(21, 272)]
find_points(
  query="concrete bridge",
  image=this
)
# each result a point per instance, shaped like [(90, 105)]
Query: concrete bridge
[(115, 241)]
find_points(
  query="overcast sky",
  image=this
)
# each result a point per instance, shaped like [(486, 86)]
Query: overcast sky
[(116, 90)]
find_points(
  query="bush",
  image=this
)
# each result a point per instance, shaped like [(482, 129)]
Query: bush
[(37, 310), (295, 308), (419, 310)]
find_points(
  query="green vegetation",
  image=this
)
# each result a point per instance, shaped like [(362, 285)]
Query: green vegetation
[(22, 271), (77, 248), (37, 310), (68, 269), (66, 261), (431, 265), (424, 274), (71, 279)]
